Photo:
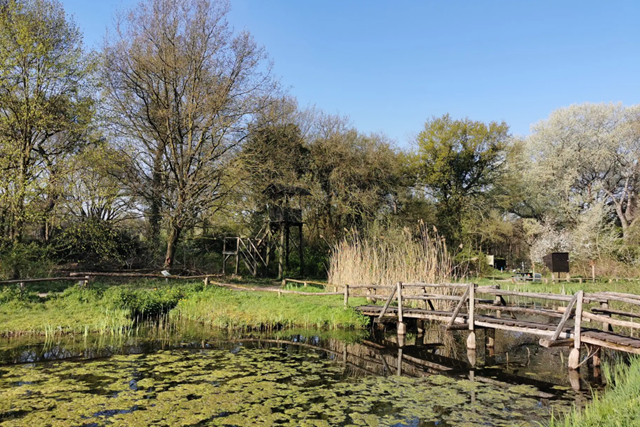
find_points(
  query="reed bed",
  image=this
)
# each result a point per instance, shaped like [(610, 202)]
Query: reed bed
[(398, 255)]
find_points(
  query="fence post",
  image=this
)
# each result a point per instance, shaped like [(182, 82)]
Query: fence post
[(237, 254), (471, 339), (402, 328), (606, 326), (206, 281), (346, 295), (574, 356)]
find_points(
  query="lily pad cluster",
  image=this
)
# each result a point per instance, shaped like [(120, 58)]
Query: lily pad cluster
[(257, 386)]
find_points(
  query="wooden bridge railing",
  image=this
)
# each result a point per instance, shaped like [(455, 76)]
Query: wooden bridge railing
[(464, 314)]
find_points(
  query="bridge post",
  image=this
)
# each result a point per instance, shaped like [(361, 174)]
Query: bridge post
[(574, 356), (597, 361), (489, 340), (402, 328), (471, 339)]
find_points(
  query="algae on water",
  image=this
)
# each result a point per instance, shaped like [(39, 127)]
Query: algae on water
[(257, 386)]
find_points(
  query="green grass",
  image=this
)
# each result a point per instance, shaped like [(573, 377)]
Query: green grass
[(231, 309), (617, 407), (112, 307)]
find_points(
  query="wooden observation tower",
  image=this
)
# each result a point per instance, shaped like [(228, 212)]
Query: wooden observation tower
[(282, 230)]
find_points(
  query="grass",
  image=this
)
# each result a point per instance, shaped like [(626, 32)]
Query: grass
[(617, 407), (255, 310), (110, 307)]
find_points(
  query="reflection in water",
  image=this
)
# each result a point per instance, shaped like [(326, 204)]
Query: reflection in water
[(205, 377)]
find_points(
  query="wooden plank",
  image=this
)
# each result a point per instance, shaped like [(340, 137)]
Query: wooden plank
[(548, 343), (369, 286), (628, 299), (553, 297), (279, 291), (132, 275), (546, 296), (565, 317), (434, 297), (607, 344), (436, 285), (618, 312), (610, 320), (458, 307), (386, 305), (533, 331), (49, 279), (540, 311), (308, 282)]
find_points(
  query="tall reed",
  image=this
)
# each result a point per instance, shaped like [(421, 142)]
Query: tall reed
[(399, 255)]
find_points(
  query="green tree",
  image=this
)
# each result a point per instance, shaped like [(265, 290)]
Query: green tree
[(44, 110), (458, 161)]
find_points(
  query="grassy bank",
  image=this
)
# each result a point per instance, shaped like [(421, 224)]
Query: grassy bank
[(114, 308), (617, 407), (230, 309), (561, 287)]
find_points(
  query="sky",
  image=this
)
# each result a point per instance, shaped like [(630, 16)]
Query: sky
[(391, 65)]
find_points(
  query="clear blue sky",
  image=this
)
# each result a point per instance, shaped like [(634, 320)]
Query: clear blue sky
[(389, 65)]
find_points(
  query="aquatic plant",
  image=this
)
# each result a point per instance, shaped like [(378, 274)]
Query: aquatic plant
[(617, 407), (282, 385)]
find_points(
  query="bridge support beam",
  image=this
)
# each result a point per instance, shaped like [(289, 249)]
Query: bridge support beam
[(574, 356), (471, 339), (402, 328)]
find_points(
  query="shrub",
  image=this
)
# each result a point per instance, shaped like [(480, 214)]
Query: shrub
[(21, 261)]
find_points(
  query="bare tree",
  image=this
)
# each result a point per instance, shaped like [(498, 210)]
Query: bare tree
[(180, 88)]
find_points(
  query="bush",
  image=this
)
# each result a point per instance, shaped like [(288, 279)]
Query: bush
[(143, 303), (22, 261), (96, 241)]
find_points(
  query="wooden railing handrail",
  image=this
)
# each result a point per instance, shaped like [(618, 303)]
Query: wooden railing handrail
[(141, 275), (309, 282), (547, 296), (46, 279)]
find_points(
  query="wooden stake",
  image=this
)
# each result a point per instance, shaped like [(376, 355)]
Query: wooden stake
[(346, 295)]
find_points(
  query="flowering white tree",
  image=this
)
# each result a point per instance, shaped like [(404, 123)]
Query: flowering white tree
[(585, 155)]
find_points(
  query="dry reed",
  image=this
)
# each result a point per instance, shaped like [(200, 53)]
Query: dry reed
[(398, 256), (393, 256)]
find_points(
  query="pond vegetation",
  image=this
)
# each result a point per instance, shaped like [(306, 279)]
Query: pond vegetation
[(220, 381)]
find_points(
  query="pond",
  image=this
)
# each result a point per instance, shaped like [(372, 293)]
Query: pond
[(292, 378)]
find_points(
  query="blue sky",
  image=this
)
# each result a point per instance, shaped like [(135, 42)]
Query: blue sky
[(390, 65)]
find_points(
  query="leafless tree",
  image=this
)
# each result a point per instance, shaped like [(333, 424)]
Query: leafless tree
[(180, 89)]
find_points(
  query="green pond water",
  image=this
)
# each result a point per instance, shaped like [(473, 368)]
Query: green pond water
[(297, 379)]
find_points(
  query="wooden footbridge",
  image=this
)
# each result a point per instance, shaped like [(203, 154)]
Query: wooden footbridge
[(583, 319)]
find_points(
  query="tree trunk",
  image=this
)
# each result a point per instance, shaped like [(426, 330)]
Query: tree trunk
[(156, 195), (172, 243)]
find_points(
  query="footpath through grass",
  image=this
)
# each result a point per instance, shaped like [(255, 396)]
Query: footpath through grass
[(108, 307)]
